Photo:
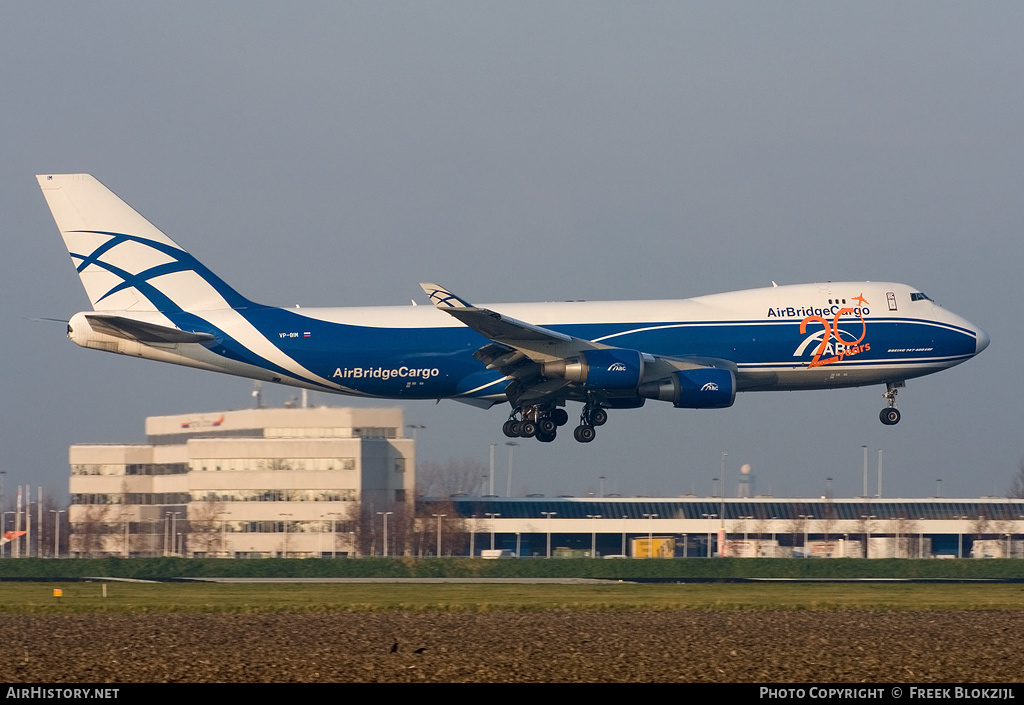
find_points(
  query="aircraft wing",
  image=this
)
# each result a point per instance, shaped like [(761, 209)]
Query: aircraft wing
[(544, 364), (534, 342)]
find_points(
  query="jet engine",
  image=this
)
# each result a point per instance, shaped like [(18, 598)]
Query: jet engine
[(607, 368), (698, 388)]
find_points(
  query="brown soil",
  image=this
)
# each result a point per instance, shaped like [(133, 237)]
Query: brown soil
[(683, 646)]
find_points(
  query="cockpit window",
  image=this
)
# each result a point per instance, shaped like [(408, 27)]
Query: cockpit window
[(918, 296)]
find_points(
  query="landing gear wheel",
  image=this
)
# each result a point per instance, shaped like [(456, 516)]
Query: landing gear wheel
[(560, 417), (511, 428), (598, 417), (584, 434), (527, 429), (545, 437), (890, 417), (547, 426)]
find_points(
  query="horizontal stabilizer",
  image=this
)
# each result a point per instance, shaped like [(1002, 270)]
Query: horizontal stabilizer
[(142, 331)]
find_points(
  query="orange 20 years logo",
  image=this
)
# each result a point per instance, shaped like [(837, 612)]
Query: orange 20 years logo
[(844, 348)]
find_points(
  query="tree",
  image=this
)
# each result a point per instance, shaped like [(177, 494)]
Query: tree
[(89, 530), (448, 478), (1016, 490), (205, 527), (865, 525)]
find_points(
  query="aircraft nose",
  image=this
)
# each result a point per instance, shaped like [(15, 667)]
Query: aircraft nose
[(983, 341)]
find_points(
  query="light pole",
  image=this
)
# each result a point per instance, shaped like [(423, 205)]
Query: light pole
[(472, 536), (805, 518), (593, 536), (492, 516), (284, 525), (710, 518), (56, 531), (745, 533), (334, 533), (385, 515), (867, 528), (3, 530), (865, 450), (127, 535), (508, 483), (959, 537), (167, 534), (174, 532), (493, 446), (439, 517), (722, 473), (650, 534), (549, 515)]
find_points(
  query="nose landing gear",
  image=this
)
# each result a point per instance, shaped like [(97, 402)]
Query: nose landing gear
[(890, 415)]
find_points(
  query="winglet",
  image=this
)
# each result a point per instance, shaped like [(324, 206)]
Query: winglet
[(442, 298)]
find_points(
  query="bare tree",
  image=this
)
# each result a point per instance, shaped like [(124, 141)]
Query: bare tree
[(448, 478), (53, 511), (1016, 490), (980, 526), (1005, 529), (828, 521), (206, 530), (761, 529), (87, 533), (865, 525), (452, 529)]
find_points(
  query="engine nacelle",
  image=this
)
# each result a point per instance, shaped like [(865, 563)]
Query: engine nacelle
[(699, 388), (607, 368)]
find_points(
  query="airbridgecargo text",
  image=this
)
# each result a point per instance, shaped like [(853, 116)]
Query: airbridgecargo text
[(793, 312), (383, 373)]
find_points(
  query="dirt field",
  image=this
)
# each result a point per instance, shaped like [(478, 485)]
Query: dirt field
[(622, 646)]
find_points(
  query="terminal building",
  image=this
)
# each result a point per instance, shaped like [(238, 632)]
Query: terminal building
[(251, 483), (336, 482), (765, 527)]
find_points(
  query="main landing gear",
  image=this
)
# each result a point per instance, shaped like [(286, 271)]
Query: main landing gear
[(592, 416), (890, 416), (542, 423), (535, 422)]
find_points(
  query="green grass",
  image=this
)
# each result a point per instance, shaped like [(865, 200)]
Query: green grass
[(36, 598), (42, 569)]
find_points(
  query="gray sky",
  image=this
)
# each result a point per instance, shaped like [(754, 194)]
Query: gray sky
[(340, 153)]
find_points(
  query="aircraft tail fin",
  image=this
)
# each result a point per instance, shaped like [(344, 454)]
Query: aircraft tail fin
[(125, 262)]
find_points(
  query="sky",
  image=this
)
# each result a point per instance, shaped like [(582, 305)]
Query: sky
[(338, 153)]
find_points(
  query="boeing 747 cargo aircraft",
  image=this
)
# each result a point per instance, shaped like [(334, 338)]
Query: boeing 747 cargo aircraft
[(152, 299)]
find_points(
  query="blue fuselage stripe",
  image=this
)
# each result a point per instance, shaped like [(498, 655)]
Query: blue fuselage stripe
[(426, 363)]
